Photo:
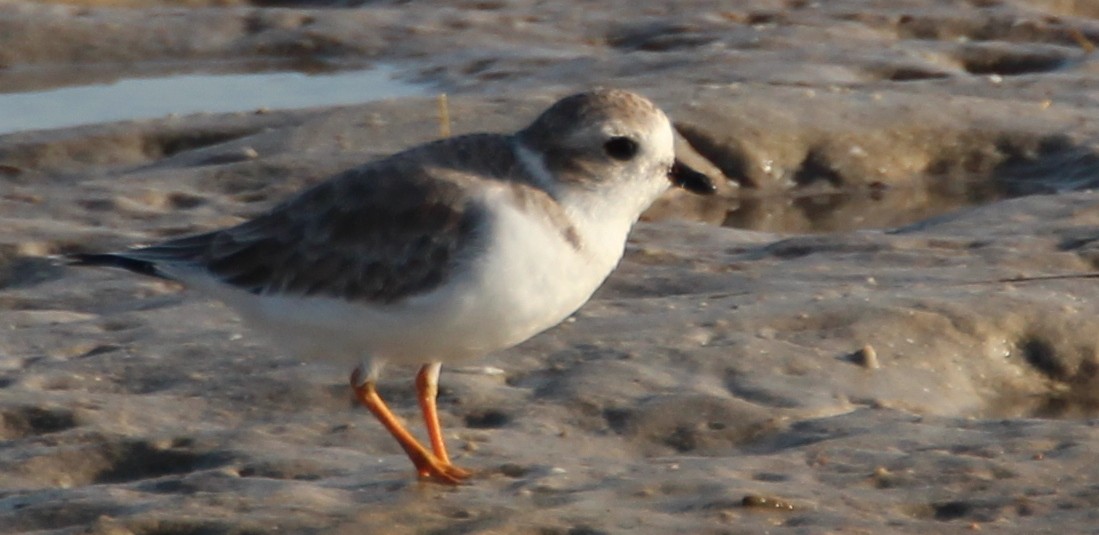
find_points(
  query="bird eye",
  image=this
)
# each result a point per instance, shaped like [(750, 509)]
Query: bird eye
[(620, 148)]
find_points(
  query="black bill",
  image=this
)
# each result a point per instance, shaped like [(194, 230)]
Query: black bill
[(683, 176)]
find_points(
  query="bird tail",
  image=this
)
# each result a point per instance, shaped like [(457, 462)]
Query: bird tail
[(117, 260)]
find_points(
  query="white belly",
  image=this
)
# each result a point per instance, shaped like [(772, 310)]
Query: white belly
[(526, 279)]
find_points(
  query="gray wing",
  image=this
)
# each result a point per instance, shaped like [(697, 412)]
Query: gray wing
[(377, 233)]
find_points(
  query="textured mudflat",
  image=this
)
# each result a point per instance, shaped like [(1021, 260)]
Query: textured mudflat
[(790, 374)]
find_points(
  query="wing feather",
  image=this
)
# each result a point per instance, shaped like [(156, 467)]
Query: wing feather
[(377, 233)]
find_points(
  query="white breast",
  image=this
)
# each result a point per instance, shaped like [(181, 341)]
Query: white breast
[(532, 277)]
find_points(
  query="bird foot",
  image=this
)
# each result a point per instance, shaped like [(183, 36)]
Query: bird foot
[(436, 470)]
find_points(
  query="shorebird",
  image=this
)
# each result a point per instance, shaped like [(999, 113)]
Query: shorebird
[(441, 253)]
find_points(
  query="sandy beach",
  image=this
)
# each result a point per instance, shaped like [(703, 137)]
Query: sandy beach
[(834, 343)]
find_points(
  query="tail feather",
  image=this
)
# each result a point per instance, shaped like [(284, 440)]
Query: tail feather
[(162, 260), (136, 265)]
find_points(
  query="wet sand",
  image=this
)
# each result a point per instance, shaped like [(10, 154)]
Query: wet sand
[(825, 347)]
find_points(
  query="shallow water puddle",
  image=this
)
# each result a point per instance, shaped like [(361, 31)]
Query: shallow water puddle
[(847, 210), (840, 210), (145, 98)]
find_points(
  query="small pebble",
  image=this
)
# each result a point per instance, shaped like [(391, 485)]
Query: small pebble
[(866, 357)]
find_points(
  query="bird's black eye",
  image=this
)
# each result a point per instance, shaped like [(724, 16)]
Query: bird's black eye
[(620, 148)]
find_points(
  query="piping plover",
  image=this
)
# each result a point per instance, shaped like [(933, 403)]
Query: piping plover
[(440, 253)]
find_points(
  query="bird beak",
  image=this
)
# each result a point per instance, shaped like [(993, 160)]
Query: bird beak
[(684, 177)]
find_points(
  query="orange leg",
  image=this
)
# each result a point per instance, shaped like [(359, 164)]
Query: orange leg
[(427, 464), (427, 389)]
